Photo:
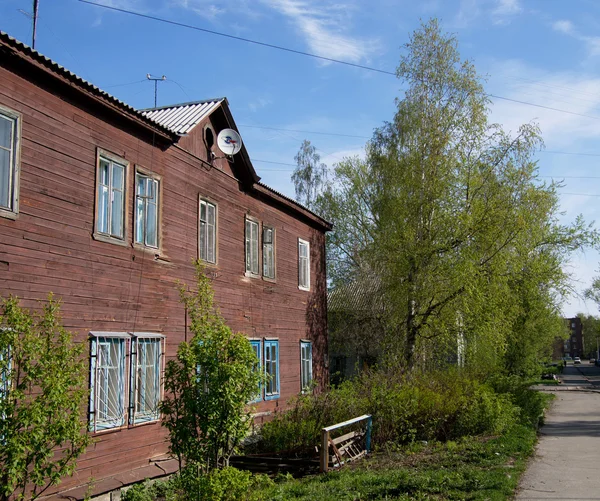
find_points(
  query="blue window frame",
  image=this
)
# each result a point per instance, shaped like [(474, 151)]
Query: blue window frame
[(305, 365), (5, 375), (144, 386), (271, 364), (256, 347), (107, 382)]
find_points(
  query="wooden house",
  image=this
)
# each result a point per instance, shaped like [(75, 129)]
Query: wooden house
[(107, 207)]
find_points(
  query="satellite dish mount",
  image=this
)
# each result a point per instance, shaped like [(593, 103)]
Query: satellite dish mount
[(229, 142)]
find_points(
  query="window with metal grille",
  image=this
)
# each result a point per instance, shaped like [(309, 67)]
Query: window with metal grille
[(256, 347), (207, 248), (271, 363), (268, 252), (305, 365), (251, 247), (145, 389), (110, 215), (303, 264), (107, 381), (9, 160), (146, 212)]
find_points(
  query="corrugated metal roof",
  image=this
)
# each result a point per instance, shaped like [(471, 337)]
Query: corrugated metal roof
[(295, 202), (62, 71), (364, 294), (182, 118)]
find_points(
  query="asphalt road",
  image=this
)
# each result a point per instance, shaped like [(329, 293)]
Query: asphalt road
[(566, 464)]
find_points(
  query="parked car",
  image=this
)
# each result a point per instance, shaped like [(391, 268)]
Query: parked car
[(576, 360)]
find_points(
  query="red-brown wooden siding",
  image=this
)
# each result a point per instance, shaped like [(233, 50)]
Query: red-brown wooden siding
[(107, 287)]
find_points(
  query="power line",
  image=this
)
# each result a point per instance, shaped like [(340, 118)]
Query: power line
[(308, 54), (303, 131), (124, 84), (241, 39), (536, 105)]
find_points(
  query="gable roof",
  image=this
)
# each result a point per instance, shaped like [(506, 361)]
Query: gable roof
[(168, 122), (182, 118)]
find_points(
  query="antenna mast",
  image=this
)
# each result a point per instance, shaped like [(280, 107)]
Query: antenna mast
[(35, 17), (156, 80)]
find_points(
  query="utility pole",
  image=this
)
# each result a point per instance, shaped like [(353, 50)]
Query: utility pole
[(156, 80), (35, 17)]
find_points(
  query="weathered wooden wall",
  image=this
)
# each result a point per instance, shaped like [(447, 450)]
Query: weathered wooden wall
[(106, 287)]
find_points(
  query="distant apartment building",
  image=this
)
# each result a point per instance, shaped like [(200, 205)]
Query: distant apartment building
[(574, 345)]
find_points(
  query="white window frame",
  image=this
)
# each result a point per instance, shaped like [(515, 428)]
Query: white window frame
[(268, 253), (252, 247), (203, 230), (138, 412), (272, 386), (106, 234), (306, 372), (141, 212), (101, 416), (303, 262), (12, 209)]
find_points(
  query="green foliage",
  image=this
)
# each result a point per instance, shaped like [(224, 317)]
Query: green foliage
[(310, 175), (443, 405), (43, 407), (209, 384), (448, 213), (227, 484)]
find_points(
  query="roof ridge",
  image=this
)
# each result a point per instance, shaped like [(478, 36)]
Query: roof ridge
[(181, 105)]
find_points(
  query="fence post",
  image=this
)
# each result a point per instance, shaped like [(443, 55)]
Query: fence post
[(368, 437), (324, 450)]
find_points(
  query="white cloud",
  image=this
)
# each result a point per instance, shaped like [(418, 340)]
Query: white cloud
[(573, 92), (258, 104), (507, 8), (567, 28), (563, 26), (324, 28), (499, 11)]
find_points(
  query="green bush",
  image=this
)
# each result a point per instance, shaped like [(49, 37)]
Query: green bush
[(227, 484), (435, 406)]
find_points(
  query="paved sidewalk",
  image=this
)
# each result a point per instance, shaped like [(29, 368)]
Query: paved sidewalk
[(566, 464)]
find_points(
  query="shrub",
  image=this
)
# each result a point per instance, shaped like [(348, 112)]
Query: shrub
[(43, 396), (227, 484), (208, 385), (434, 406)]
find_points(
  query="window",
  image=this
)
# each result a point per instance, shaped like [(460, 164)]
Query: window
[(146, 210), (9, 161), (251, 247), (271, 362), (110, 219), (107, 379), (303, 265), (268, 252), (258, 352), (305, 365), (146, 357), (207, 234), (5, 369)]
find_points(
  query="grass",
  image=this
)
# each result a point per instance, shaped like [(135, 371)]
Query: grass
[(473, 468)]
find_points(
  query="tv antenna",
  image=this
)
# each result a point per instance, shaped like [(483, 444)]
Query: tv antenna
[(155, 80), (34, 17), (229, 142)]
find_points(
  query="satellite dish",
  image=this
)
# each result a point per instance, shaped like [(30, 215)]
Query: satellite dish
[(229, 142)]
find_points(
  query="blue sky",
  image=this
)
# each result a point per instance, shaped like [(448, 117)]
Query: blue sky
[(536, 51)]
